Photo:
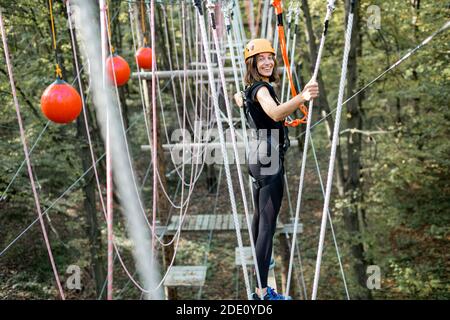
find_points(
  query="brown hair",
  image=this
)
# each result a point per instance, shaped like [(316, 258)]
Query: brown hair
[(252, 75)]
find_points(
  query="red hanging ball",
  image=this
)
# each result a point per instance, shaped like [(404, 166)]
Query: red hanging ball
[(60, 102), (144, 58), (121, 69)]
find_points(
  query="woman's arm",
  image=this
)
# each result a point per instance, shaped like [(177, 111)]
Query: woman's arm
[(279, 113)]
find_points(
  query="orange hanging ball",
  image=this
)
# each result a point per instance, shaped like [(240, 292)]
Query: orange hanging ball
[(121, 69), (60, 102), (144, 58)]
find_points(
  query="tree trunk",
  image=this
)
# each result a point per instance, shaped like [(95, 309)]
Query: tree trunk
[(353, 188)]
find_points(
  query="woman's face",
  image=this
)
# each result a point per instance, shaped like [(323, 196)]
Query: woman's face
[(265, 63)]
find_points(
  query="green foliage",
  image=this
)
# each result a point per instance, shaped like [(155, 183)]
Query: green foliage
[(405, 157)]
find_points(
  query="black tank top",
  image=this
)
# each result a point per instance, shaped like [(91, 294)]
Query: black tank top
[(257, 118)]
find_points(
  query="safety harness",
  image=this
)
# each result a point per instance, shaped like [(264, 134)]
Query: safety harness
[(247, 101)]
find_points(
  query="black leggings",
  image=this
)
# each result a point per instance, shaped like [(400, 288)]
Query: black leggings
[(267, 206)]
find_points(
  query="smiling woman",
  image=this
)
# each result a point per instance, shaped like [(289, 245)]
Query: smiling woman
[(265, 116)]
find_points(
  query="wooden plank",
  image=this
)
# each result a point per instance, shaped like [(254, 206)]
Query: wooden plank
[(173, 223), (199, 222), (248, 258), (289, 228), (231, 225), (205, 223), (225, 221), (186, 276), (212, 222), (243, 222), (190, 224), (218, 222)]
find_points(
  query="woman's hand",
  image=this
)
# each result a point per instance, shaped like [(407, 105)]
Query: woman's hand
[(310, 91), (238, 99)]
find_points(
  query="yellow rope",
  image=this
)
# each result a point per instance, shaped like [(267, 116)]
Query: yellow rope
[(52, 23), (143, 22), (109, 25)]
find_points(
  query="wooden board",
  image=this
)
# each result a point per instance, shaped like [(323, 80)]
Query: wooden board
[(219, 222), (186, 276), (248, 258)]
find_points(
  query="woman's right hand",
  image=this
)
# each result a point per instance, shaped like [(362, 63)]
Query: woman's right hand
[(310, 91)]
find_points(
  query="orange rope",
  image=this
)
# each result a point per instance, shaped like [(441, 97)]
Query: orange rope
[(284, 54)]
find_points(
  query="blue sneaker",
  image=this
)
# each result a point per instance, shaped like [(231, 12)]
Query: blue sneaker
[(271, 294)]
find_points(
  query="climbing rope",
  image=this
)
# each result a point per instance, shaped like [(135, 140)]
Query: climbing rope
[(211, 7), (284, 54), (444, 27), (288, 20), (55, 48), (330, 8), (197, 3), (294, 40), (227, 14), (334, 143), (25, 149), (338, 255)]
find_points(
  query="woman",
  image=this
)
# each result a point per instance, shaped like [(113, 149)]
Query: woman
[(266, 116)]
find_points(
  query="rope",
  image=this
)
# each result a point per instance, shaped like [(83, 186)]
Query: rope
[(142, 21), (208, 249), (197, 3), (294, 40), (348, 36), (59, 198), (167, 42), (211, 7), (227, 17), (330, 8), (3, 196), (55, 49), (25, 149), (406, 56), (331, 221), (297, 245), (265, 19), (105, 36), (289, 17), (281, 38)]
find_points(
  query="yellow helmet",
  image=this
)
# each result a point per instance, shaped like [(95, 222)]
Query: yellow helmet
[(257, 46)]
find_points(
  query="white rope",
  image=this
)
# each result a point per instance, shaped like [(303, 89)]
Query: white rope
[(205, 256), (227, 17), (26, 152), (331, 221), (265, 19), (291, 213), (330, 8), (222, 140), (406, 56), (288, 40), (294, 40), (334, 143), (211, 7)]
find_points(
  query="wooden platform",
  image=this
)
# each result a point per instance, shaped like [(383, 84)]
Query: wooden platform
[(186, 276), (218, 222)]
